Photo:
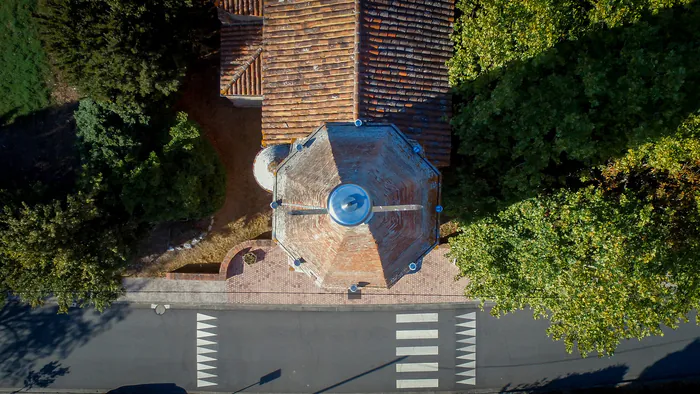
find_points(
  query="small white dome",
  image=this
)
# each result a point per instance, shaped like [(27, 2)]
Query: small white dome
[(266, 162)]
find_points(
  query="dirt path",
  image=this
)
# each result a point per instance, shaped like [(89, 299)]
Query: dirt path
[(235, 134)]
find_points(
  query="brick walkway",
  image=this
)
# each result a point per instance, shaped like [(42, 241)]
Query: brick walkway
[(270, 281)]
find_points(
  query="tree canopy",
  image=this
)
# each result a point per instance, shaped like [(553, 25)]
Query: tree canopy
[(70, 249), (576, 182), (127, 53)]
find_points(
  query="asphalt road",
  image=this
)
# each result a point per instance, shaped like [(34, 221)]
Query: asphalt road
[(309, 352)]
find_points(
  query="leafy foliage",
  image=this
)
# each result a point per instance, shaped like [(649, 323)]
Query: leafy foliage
[(126, 53), (23, 65), (69, 249), (163, 172), (185, 181), (490, 34), (526, 127), (604, 263)]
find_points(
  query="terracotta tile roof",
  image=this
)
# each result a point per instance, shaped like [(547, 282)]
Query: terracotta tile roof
[(402, 74), (312, 74), (241, 7), (241, 59), (309, 66), (380, 159)]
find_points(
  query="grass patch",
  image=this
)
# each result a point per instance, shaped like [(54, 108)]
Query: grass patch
[(24, 69), (212, 249)]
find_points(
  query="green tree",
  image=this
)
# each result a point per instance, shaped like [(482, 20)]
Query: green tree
[(490, 34), (611, 261), (183, 181), (67, 249), (526, 128), (24, 68), (127, 53), (159, 172)]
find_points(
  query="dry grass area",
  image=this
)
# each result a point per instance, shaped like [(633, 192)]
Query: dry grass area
[(212, 249)]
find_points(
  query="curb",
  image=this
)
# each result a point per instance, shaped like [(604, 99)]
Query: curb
[(316, 308)]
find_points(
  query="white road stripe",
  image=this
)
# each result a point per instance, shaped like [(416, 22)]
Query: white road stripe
[(470, 340), (468, 356), (416, 334), (203, 350), (471, 332), (469, 372), (417, 351), (416, 383), (470, 348), (204, 383), (204, 342), (417, 367), (471, 381), (471, 315), (468, 324), (469, 364), (204, 375), (204, 359), (202, 367), (417, 318), (205, 334), (203, 317), (204, 326)]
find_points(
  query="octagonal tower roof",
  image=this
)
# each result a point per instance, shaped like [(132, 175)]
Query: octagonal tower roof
[(356, 204)]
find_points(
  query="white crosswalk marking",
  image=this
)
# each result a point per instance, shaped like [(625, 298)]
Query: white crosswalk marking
[(417, 318), (416, 334), (204, 326), (417, 367), (466, 351), (420, 362), (416, 383), (203, 317), (417, 351), (206, 350)]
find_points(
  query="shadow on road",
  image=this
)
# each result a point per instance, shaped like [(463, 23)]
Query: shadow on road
[(676, 366), (30, 337), (155, 388), (361, 375), (274, 375), (44, 376)]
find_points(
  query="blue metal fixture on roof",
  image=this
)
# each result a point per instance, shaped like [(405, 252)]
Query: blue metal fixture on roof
[(349, 205)]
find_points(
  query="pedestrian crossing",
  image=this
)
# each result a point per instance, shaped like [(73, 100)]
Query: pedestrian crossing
[(206, 350), (466, 349), (421, 373)]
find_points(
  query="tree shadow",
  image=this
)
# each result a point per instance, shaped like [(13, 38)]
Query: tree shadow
[(532, 126), (27, 336), (682, 364), (604, 377), (45, 376), (40, 148), (152, 388), (676, 372)]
